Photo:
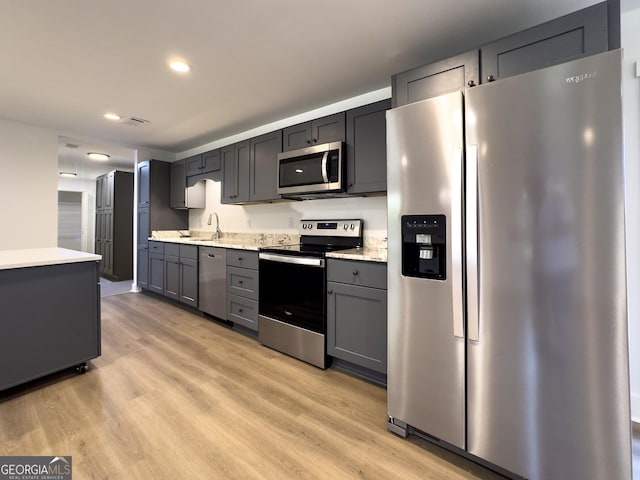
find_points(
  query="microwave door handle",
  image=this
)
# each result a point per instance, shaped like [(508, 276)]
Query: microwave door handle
[(325, 175)]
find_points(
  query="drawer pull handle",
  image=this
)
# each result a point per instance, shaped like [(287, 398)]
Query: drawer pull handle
[(240, 282), (239, 259), (355, 272), (330, 292), (239, 310)]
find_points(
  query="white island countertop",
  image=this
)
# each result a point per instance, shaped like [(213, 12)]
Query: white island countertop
[(37, 257)]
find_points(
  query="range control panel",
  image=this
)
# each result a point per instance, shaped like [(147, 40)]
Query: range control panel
[(331, 228)]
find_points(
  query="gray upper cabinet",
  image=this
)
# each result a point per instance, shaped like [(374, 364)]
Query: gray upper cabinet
[(435, 79), (236, 167), (182, 196), (367, 148), (144, 175), (264, 166), (177, 197), (576, 35), (205, 163), (322, 130)]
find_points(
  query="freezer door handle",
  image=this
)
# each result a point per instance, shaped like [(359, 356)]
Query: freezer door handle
[(473, 314), (456, 243)]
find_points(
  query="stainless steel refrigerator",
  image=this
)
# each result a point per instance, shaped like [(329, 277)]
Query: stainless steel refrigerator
[(506, 272)]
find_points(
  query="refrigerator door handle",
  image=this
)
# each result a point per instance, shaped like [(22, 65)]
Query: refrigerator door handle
[(456, 244), (473, 314)]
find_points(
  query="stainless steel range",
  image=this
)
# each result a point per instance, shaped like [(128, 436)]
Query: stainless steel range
[(292, 308)]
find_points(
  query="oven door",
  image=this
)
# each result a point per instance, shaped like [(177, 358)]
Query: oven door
[(292, 290)]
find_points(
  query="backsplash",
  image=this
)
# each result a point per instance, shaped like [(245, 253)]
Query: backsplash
[(282, 218)]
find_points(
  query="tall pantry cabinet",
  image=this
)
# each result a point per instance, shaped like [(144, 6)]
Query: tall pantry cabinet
[(114, 224), (154, 212)]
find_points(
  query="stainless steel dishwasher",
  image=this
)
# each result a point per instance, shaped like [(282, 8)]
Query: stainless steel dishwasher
[(213, 281)]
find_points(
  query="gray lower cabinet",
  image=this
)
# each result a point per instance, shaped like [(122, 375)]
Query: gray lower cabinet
[(181, 273), (189, 275), (172, 271), (50, 320), (242, 288), (155, 267), (357, 313)]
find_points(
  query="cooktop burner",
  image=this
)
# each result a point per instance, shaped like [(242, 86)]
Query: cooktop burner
[(318, 237)]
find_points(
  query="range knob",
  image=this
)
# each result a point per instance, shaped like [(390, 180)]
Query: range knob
[(353, 227), (346, 226)]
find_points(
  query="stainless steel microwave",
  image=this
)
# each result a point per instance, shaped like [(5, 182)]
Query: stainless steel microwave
[(311, 170)]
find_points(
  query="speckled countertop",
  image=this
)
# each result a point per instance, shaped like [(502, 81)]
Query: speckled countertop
[(363, 254), (249, 241)]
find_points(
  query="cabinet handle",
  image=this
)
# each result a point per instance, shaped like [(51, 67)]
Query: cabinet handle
[(240, 281), (355, 272), (211, 255), (491, 78), (330, 292), (239, 259), (309, 142), (315, 140), (240, 310)]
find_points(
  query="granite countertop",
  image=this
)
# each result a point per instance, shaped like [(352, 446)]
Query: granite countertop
[(249, 241), (362, 254), (225, 243), (37, 257)]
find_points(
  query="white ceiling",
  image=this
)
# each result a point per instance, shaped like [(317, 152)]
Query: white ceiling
[(64, 63)]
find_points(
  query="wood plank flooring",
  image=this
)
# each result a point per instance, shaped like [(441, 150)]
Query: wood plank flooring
[(175, 395)]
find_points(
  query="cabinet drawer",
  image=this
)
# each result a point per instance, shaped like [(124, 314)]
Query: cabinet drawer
[(365, 274), (172, 249), (189, 251), (242, 282), (242, 311), (156, 248), (242, 258)]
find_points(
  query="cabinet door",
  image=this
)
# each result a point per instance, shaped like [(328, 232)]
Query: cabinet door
[(107, 224), (438, 78), (296, 136), (144, 175), (189, 281), (367, 148), (357, 325), (99, 192), (172, 277), (177, 198), (242, 152), (156, 273), (576, 35), (143, 227), (264, 166), (193, 165), (229, 175), (142, 267), (108, 190), (211, 161), (328, 129)]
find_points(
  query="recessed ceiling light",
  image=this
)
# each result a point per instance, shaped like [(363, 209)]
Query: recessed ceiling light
[(98, 156), (112, 116), (180, 66), (68, 174)]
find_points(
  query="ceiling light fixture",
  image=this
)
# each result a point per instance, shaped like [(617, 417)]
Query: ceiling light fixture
[(179, 66), (103, 157), (68, 174), (112, 116)]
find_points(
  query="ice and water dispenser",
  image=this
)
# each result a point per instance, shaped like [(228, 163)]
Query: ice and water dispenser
[(424, 243)]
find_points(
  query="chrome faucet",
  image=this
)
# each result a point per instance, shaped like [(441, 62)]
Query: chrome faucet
[(218, 233)]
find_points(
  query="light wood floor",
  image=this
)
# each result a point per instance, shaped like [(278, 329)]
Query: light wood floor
[(176, 396)]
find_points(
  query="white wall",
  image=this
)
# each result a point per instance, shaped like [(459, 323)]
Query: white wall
[(631, 110), (283, 217), (28, 186)]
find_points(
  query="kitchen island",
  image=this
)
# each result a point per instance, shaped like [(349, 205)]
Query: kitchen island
[(49, 312)]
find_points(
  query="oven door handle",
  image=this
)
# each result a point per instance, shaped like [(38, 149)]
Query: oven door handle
[(308, 261)]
